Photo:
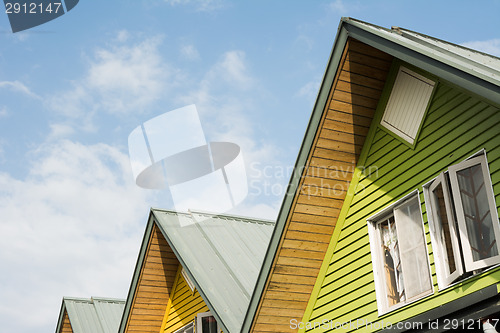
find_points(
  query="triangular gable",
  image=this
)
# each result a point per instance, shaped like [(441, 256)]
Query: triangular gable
[(222, 254), (95, 315), (152, 284)]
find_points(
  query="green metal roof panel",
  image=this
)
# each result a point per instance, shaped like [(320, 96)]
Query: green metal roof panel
[(95, 315), (222, 254), (110, 312)]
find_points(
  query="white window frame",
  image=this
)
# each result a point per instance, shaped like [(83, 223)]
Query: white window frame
[(377, 260), (460, 240), (199, 318), (444, 276), (469, 262), (185, 328)]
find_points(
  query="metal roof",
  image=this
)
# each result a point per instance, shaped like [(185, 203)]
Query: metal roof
[(470, 69), (94, 315), (222, 254)]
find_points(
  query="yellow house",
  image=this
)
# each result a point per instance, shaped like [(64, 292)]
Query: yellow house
[(196, 272)]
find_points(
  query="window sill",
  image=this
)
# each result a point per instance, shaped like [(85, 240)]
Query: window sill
[(467, 279), (400, 306)]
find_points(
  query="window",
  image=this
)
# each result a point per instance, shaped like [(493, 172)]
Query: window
[(407, 104), (463, 219), (399, 254), (189, 328), (206, 323)]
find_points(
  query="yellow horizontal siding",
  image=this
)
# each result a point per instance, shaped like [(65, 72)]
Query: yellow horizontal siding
[(184, 305)]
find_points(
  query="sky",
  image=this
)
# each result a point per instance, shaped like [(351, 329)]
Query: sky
[(72, 90)]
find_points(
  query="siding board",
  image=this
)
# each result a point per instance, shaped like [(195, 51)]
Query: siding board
[(184, 306)]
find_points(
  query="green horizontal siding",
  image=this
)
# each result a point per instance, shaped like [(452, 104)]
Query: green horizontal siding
[(456, 126)]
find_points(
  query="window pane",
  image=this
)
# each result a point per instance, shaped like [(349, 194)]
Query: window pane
[(443, 227), (477, 213), (208, 324), (412, 247), (392, 265)]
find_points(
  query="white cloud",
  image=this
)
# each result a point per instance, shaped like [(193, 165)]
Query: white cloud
[(338, 6), (120, 80), (190, 52), (59, 131), (309, 90), (491, 46), (122, 36), (72, 227), (3, 112), (18, 87), (232, 69), (226, 96), (127, 78)]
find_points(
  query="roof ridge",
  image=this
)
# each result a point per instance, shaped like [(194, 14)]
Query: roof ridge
[(217, 215)]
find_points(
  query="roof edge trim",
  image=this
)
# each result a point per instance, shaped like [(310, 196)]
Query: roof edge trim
[(136, 275)]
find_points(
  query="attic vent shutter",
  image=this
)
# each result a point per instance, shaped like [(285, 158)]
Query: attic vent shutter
[(407, 104)]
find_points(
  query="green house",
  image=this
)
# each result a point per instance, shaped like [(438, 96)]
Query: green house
[(391, 222), (417, 242)]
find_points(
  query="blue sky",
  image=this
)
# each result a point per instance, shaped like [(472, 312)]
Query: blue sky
[(72, 90)]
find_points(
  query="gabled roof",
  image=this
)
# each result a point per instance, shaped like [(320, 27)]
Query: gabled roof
[(222, 255), (474, 71), (94, 315)]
